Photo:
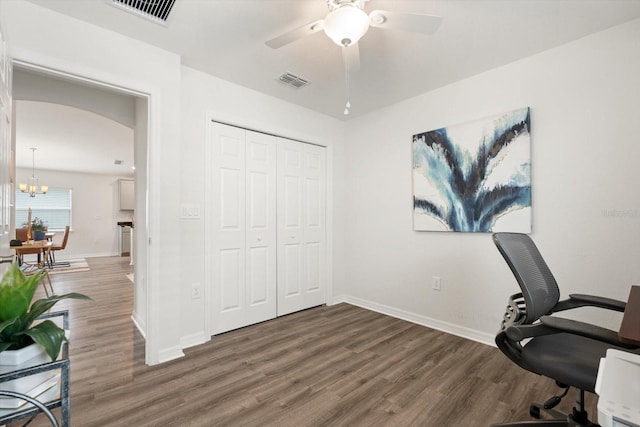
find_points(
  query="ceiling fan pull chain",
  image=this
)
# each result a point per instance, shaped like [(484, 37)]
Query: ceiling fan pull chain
[(346, 78)]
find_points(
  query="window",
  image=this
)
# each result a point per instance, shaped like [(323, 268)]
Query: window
[(54, 208)]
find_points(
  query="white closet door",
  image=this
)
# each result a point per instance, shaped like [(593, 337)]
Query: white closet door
[(228, 228), (301, 226), (243, 268), (260, 240)]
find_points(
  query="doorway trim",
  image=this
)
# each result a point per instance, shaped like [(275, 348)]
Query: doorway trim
[(138, 90)]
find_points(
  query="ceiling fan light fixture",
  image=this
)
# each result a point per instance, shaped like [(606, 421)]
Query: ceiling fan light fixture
[(346, 25)]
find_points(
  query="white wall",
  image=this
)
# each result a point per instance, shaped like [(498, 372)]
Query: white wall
[(38, 36), (584, 100), (205, 96), (37, 87), (95, 211)]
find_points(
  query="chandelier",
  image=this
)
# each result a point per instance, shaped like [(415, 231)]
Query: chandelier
[(32, 187)]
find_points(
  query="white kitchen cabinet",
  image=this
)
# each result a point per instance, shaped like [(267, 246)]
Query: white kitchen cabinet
[(127, 194)]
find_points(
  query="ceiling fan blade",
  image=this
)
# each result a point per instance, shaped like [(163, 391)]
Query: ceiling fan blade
[(351, 57), (412, 22), (296, 34)]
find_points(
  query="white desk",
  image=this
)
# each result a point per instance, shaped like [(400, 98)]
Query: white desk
[(618, 386)]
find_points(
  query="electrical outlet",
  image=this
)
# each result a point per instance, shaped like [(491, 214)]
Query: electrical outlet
[(436, 283), (195, 291)]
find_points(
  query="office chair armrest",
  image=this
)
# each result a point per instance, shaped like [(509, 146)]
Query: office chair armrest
[(584, 329), (520, 332), (581, 300)]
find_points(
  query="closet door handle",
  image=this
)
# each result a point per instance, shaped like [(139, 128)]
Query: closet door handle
[(259, 239)]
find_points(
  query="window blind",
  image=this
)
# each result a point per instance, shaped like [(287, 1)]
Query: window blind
[(54, 208)]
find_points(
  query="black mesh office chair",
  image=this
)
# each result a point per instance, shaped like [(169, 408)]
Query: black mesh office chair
[(565, 350)]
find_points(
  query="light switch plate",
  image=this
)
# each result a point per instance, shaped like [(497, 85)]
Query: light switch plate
[(190, 211)]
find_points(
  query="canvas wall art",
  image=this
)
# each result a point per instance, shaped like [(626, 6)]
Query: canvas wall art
[(474, 177)]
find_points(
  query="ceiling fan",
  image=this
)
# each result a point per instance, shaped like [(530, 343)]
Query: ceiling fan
[(347, 22)]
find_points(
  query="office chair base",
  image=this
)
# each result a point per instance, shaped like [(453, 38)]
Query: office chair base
[(561, 419), (536, 408), (535, 423), (577, 418)]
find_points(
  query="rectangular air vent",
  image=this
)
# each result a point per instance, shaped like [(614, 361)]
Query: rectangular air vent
[(293, 80), (155, 10), (117, 162)]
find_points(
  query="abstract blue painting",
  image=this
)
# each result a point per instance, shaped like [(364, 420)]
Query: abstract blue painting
[(474, 177)]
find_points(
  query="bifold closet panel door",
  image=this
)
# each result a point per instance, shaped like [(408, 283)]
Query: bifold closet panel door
[(260, 240), (243, 268), (301, 226)]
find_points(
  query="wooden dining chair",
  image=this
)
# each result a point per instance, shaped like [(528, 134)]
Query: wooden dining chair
[(21, 234), (31, 268), (60, 247)]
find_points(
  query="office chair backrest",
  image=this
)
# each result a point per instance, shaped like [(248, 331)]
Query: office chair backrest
[(539, 287)]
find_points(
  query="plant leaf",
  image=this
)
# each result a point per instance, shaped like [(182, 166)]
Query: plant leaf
[(8, 331), (13, 276), (6, 323), (44, 304), (49, 336), (12, 304), (28, 286), (16, 292)]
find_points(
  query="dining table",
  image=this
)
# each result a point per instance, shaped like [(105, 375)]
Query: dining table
[(37, 247)]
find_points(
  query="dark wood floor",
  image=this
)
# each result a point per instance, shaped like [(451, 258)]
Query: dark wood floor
[(327, 366)]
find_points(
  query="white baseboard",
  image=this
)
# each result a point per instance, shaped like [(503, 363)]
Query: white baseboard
[(169, 354), (62, 256), (138, 325), (192, 340), (450, 328), (164, 355)]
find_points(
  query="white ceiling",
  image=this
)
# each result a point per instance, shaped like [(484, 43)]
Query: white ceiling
[(225, 38), (70, 139)]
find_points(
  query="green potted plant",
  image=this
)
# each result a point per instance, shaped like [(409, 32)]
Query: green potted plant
[(38, 228), (18, 314), (26, 341)]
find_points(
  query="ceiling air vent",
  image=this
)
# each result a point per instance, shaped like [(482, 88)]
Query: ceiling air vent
[(117, 162), (155, 10), (293, 80)]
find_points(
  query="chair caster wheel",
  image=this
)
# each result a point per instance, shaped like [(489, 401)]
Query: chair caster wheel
[(534, 411)]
